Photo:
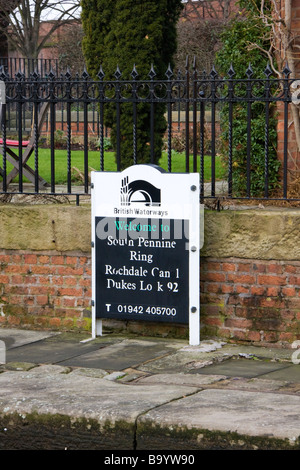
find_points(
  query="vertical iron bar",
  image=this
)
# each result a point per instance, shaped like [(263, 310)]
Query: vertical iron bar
[(118, 134), (24, 115), (285, 148), (169, 74), (195, 83), (286, 73), (179, 107), (248, 147), (249, 95), (3, 125), (20, 137), (93, 110), (230, 123), (213, 135), (118, 117), (8, 113), (52, 144), (52, 131), (69, 124), (267, 113), (77, 113), (62, 113), (101, 124), (152, 100), (101, 118), (169, 136), (202, 137), (134, 133), (152, 130), (134, 129), (85, 144), (213, 148), (36, 147), (187, 116)]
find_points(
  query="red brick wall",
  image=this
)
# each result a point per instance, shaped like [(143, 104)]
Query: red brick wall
[(241, 299), (251, 300), (45, 289)]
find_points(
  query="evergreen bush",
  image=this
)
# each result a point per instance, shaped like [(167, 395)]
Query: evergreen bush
[(121, 34)]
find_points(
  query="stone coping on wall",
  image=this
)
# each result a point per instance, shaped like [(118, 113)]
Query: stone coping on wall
[(252, 233)]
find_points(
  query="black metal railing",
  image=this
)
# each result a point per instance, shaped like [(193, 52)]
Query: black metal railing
[(202, 111)]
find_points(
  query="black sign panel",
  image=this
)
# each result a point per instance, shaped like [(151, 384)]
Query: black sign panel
[(142, 269)]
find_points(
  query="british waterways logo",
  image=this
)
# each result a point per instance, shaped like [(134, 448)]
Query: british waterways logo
[(139, 191)]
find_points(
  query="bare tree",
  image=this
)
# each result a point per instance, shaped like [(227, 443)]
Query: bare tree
[(23, 20), (199, 39), (206, 9), (199, 30), (69, 49)]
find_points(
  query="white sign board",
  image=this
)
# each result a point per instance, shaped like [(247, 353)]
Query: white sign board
[(146, 247)]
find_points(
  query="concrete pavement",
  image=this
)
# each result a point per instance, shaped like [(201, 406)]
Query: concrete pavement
[(66, 391)]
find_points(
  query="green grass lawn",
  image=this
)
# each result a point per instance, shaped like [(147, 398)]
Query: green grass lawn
[(77, 162)]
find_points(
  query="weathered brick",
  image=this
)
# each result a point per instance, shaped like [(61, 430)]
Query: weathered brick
[(238, 323), (30, 259), (41, 299), (243, 267), (57, 260), (4, 279), (272, 291), (271, 280), (289, 291), (257, 290), (228, 267), (44, 259), (275, 268), (241, 278), (215, 277), (259, 267)]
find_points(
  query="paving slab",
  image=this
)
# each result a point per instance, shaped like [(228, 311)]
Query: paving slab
[(290, 373), (263, 415), (191, 380), (241, 368), (50, 352), (50, 392), (253, 384), (128, 353), (14, 338)]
